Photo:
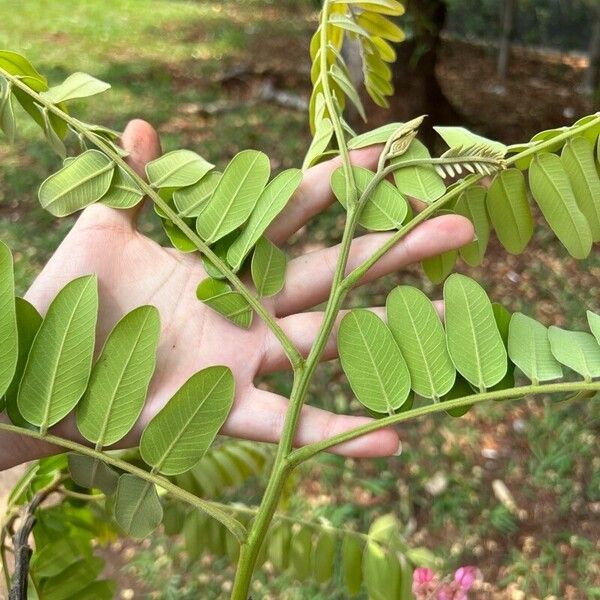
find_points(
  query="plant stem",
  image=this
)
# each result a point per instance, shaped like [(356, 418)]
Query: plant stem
[(303, 454), (235, 527)]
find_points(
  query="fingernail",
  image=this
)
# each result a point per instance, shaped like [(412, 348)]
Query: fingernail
[(399, 451), (475, 238)]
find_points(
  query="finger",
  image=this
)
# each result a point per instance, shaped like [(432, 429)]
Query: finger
[(260, 416), (314, 194), (302, 329), (309, 277)]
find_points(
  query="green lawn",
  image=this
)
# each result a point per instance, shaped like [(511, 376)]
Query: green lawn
[(166, 61)]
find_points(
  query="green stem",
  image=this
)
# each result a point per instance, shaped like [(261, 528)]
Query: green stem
[(291, 351), (232, 525), (307, 452)]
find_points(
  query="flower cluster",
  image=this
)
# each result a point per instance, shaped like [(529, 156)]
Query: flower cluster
[(428, 586)]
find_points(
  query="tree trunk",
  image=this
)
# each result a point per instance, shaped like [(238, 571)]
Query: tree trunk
[(508, 23), (592, 75)]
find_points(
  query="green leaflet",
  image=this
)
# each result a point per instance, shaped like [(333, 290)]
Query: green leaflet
[(373, 362), (7, 113), (552, 191), (471, 204), (193, 528), (460, 137), (578, 160), (268, 268), (59, 364), (123, 191), (191, 200), (91, 473), (380, 26), (28, 323), (178, 168), (437, 268), (119, 382), (77, 85), (422, 182), (418, 331), (376, 136), (352, 555), (385, 209), (594, 323), (503, 317), (103, 589), (220, 248), (474, 342), (236, 195), (348, 89), (509, 210), (343, 22), (16, 64), (278, 545), (577, 350), (385, 7), (271, 202), (319, 143), (177, 238), (382, 572), (179, 435), (80, 183), (323, 556), (9, 347), (232, 305), (137, 507), (529, 349), (460, 389), (73, 580), (300, 554)]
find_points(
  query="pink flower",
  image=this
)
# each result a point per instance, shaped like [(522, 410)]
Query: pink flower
[(425, 582), (427, 585), (465, 577)]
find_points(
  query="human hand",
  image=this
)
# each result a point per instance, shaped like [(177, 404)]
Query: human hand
[(133, 270)]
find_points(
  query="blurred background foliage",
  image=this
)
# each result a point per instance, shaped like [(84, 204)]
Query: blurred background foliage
[(221, 75)]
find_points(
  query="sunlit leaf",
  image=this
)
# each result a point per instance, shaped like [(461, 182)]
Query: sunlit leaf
[(529, 349), (474, 342), (16, 64), (77, 85), (179, 435), (418, 331), (91, 473), (319, 143), (509, 210), (459, 136), (437, 268), (268, 268), (385, 7), (323, 556), (9, 347), (60, 361), (123, 191), (372, 361), (80, 183), (137, 507), (191, 200), (120, 378), (343, 22), (380, 26), (552, 191), (178, 168), (577, 350), (236, 195), (271, 202), (471, 204), (232, 305)]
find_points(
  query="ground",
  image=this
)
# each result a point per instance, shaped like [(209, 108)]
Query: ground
[(197, 71)]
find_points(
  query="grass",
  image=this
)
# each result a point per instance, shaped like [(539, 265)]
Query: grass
[(166, 61)]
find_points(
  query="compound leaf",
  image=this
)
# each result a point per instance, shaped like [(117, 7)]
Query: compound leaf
[(236, 195), (471, 204), (178, 168), (119, 382), (137, 506), (179, 435), (268, 268), (418, 331), (9, 345), (509, 210), (232, 305), (80, 183), (552, 191), (77, 85), (60, 361), (529, 349), (577, 350), (190, 201), (372, 361), (474, 342)]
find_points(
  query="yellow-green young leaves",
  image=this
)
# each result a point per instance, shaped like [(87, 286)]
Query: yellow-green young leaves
[(80, 183), (384, 7), (474, 342), (471, 204), (372, 361), (552, 191), (271, 202), (418, 331), (75, 86), (232, 305), (60, 361), (457, 137), (179, 168), (578, 160), (120, 379), (421, 182), (138, 510), (320, 142), (191, 200), (385, 209), (268, 268), (123, 191), (236, 195), (179, 435), (8, 320), (577, 350), (509, 210), (529, 349)]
